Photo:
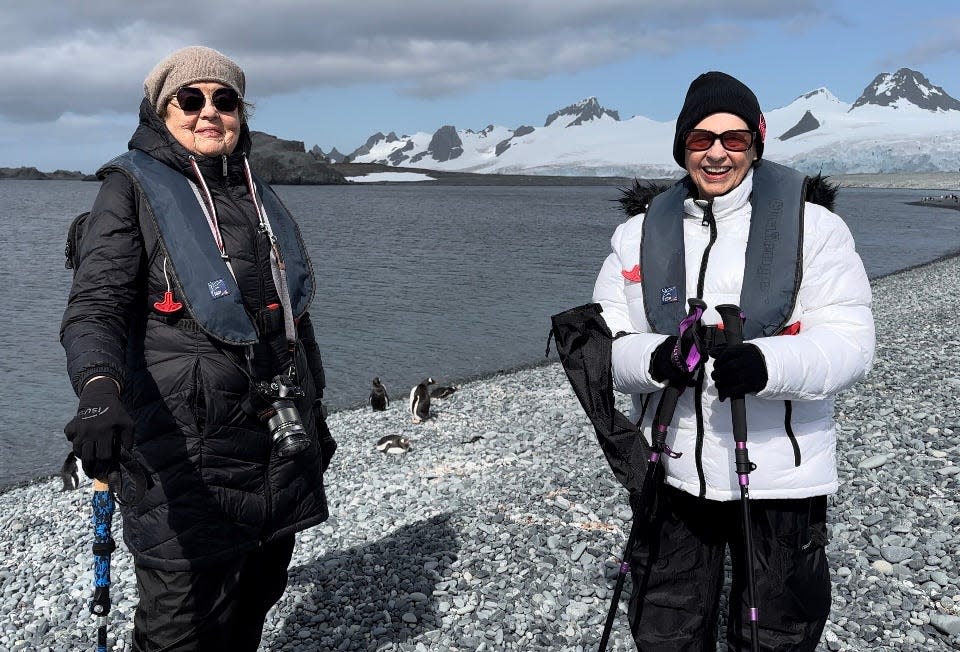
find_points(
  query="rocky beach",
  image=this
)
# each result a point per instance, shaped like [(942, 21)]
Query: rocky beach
[(501, 527)]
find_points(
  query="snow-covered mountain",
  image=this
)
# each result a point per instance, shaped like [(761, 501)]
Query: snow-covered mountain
[(900, 123)]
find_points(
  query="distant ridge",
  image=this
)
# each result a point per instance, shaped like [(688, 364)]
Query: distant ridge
[(902, 122), (33, 174), (275, 160)]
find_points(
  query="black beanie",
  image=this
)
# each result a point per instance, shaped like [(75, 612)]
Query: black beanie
[(718, 92)]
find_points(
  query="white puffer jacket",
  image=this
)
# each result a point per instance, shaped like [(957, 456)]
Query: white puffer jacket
[(833, 350)]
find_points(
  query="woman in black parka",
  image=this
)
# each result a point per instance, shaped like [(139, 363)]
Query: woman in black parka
[(186, 329)]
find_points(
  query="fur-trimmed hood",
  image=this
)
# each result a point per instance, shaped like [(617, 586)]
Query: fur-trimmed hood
[(636, 198)]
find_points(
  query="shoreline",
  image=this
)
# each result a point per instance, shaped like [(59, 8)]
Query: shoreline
[(891, 180), (513, 369)]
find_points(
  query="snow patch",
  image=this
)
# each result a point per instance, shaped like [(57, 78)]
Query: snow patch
[(374, 177)]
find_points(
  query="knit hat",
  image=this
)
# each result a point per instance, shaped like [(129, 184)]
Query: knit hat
[(187, 66), (718, 92)]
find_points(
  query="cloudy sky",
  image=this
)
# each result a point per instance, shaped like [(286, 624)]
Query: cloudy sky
[(332, 73)]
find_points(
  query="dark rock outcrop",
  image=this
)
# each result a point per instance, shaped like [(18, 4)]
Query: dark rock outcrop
[(445, 144), (398, 156), (909, 85), (286, 162), (504, 144), (807, 123), (364, 149)]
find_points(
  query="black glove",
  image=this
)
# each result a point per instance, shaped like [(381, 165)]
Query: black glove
[(101, 427), (668, 363), (739, 369), (328, 445)]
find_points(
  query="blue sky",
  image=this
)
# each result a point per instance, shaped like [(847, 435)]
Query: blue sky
[(331, 75)]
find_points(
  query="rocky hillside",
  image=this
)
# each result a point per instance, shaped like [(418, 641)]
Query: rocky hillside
[(287, 162), (277, 161), (33, 174)]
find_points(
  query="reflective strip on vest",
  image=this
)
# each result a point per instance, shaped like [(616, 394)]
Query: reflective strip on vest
[(773, 263), (206, 286)]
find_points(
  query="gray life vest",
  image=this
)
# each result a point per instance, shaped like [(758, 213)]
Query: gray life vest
[(773, 263), (206, 286)]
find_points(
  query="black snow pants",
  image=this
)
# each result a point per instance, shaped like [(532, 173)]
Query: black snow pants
[(678, 574), (218, 609)]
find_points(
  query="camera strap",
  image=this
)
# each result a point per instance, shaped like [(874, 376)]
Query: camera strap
[(277, 267)]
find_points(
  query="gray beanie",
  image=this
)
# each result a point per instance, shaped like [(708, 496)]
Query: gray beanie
[(187, 66)]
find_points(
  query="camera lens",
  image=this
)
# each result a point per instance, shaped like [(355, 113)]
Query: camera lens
[(289, 436)]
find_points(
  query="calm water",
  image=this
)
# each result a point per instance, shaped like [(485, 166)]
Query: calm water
[(450, 282)]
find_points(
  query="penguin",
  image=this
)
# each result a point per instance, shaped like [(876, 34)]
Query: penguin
[(420, 400), (393, 444), (443, 391), (68, 472), (379, 401)]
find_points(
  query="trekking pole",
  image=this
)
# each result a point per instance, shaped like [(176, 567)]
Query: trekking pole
[(661, 422), (103, 546), (733, 331)]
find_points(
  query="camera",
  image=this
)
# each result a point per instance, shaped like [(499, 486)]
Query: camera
[(280, 414)]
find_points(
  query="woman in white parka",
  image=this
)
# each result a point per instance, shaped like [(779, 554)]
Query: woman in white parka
[(736, 230)]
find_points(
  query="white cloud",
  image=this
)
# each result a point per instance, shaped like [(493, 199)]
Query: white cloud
[(92, 56), (942, 41)]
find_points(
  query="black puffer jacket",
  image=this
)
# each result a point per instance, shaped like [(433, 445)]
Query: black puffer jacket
[(214, 489)]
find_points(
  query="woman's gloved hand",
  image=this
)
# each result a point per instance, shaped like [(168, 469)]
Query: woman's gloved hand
[(668, 363), (100, 428), (739, 369)]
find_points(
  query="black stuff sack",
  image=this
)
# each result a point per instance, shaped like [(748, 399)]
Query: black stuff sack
[(584, 344)]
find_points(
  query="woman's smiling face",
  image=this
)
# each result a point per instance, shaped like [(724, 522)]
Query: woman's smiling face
[(716, 171), (207, 131)]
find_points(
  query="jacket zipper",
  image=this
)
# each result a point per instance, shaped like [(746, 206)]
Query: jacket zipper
[(267, 493), (707, 220), (698, 454), (255, 231), (788, 426)]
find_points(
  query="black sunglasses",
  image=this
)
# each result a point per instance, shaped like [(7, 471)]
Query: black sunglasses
[(735, 140), (191, 99)]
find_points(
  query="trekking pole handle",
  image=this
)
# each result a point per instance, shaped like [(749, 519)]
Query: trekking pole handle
[(103, 546), (732, 318)]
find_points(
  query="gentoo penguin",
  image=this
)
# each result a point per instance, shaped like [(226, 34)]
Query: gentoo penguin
[(393, 444), (443, 391), (420, 400), (378, 396), (68, 472)]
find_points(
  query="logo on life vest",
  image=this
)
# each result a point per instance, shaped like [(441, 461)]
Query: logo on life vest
[(669, 295), (218, 288)]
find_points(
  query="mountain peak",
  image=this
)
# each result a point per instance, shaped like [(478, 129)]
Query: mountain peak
[(887, 89), (821, 93), (583, 111)]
